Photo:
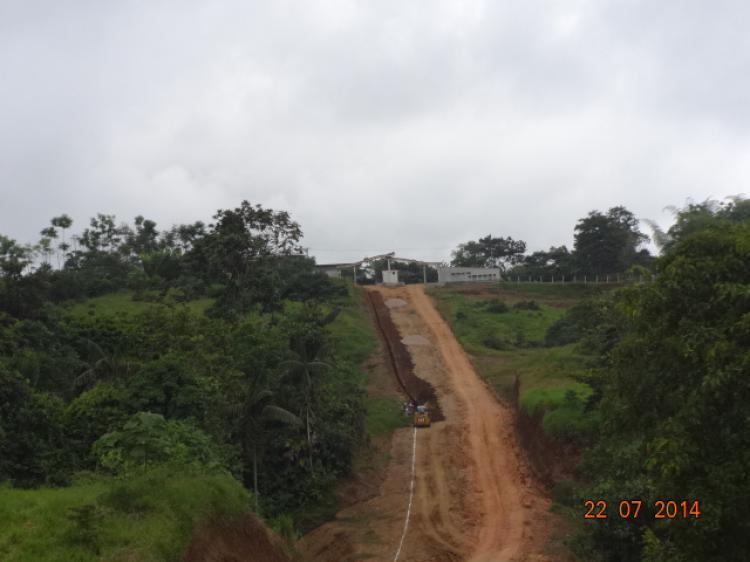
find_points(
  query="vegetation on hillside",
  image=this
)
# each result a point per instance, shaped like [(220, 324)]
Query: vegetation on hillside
[(214, 349), (605, 244), (674, 398), (149, 516), (506, 330)]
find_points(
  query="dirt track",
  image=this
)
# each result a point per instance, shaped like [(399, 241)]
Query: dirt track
[(475, 499)]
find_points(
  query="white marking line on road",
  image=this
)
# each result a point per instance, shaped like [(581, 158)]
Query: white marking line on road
[(411, 493)]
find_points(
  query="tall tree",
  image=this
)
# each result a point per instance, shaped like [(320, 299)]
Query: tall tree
[(695, 217), (238, 251), (489, 252), (306, 369), (608, 242), (144, 239), (255, 414), (103, 234), (45, 244), (63, 222)]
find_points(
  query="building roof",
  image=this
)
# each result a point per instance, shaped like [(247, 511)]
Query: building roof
[(390, 256)]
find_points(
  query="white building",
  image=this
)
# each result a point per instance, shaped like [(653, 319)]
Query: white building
[(468, 274), (390, 276), (334, 269)]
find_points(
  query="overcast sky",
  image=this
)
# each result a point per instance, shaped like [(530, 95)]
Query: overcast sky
[(381, 125)]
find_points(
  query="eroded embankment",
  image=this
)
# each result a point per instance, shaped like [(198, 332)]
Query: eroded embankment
[(551, 460), (238, 541), (401, 361)]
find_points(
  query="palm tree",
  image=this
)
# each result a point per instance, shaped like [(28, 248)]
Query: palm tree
[(305, 369), (255, 413), (63, 222)]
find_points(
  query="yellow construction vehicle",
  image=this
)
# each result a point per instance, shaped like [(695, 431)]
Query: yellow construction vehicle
[(422, 416)]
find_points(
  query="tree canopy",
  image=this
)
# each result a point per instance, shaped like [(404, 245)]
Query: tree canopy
[(607, 243), (675, 396), (489, 252)]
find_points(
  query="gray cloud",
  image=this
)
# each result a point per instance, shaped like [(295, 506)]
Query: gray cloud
[(379, 125)]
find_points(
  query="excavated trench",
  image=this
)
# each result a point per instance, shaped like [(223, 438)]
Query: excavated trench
[(418, 390)]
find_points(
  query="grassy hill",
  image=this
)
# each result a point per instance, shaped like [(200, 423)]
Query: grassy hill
[(503, 327), (148, 517), (152, 516)]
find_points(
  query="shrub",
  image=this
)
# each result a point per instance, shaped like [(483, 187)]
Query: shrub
[(566, 492), (495, 342), (496, 307), (148, 438), (526, 305), (578, 321), (85, 527)]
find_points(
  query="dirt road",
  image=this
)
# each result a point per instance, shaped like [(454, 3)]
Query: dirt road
[(474, 497)]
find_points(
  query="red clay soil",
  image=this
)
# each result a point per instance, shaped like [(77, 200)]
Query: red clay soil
[(401, 362), (247, 540), (551, 460)]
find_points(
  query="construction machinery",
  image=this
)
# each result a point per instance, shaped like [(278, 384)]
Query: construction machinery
[(422, 416)]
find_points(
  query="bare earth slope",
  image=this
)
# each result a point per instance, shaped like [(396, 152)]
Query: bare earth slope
[(475, 499)]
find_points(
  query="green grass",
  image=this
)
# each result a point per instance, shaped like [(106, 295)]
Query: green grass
[(481, 331), (509, 345), (352, 332), (540, 367), (538, 400), (122, 303), (571, 291), (384, 416), (147, 518)]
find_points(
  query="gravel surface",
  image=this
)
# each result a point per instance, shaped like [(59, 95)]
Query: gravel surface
[(415, 340)]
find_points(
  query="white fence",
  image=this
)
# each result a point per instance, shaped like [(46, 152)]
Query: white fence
[(584, 279)]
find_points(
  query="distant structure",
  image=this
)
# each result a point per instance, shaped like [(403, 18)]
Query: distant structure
[(390, 277), (334, 269), (467, 274)]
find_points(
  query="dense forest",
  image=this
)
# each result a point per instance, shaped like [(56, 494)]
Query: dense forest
[(670, 368), (220, 357)]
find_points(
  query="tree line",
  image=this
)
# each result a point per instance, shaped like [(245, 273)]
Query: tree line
[(605, 243)]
